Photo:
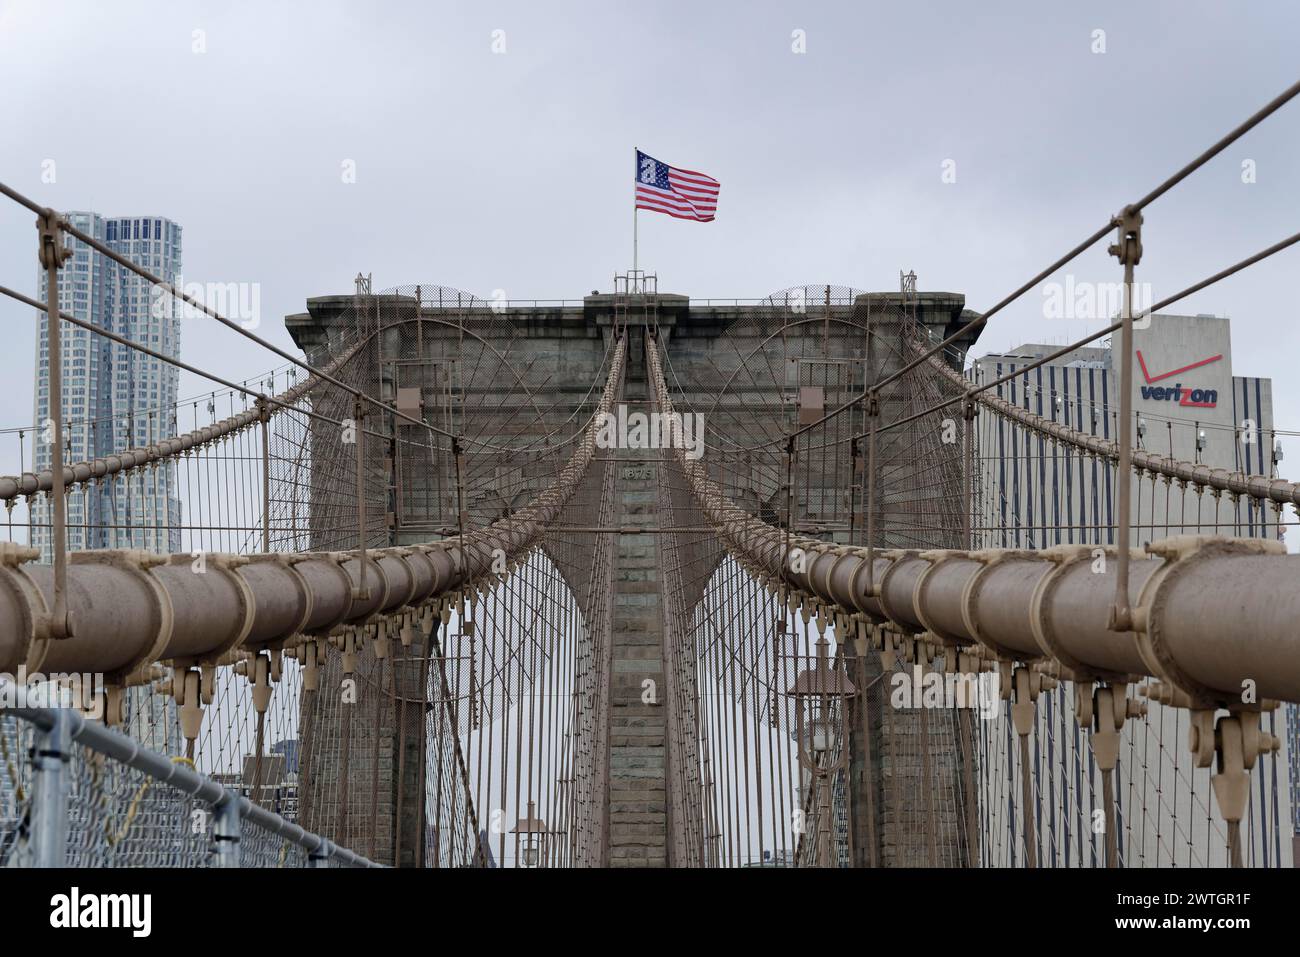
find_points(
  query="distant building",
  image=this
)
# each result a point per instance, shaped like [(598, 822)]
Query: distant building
[(289, 749), (267, 781), (1187, 403), (113, 397)]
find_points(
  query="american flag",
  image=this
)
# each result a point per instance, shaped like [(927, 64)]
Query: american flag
[(678, 192)]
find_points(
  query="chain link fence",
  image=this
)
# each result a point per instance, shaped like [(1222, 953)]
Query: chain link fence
[(74, 793)]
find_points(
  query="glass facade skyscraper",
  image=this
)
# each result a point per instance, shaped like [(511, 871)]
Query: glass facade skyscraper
[(116, 398), (113, 397)]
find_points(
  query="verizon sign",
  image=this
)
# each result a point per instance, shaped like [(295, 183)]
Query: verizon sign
[(1182, 389), (1186, 394)]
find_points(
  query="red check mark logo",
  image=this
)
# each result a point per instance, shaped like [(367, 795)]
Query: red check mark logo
[(1165, 375), (1186, 394)]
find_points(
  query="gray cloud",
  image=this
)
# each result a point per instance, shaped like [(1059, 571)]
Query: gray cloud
[(486, 171)]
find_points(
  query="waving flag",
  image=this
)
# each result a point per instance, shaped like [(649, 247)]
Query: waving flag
[(682, 193)]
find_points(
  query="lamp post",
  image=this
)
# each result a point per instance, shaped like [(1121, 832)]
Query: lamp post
[(819, 695), (533, 830)]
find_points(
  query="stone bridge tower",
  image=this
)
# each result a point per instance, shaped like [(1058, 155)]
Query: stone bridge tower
[(414, 357)]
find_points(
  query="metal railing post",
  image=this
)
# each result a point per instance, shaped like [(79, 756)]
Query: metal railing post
[(52, 255), (321, 856), (226, 828), (50, 755)]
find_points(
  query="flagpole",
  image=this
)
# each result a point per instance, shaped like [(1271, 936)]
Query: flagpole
[(636, 153)]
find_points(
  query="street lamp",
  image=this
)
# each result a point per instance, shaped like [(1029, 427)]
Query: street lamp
[(819, 695), (533, 830)]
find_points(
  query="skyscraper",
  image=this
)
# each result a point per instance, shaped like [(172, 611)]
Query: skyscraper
[(113, 397)]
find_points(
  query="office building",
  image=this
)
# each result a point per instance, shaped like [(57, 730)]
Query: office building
[(1187, 403), (113, 397)]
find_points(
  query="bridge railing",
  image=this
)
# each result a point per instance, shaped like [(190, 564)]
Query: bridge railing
[(75, 793)]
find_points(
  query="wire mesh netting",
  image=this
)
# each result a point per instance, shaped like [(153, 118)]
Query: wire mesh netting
[(118, 816)]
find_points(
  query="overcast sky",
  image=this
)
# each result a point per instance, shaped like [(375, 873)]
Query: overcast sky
[(512, 170)]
